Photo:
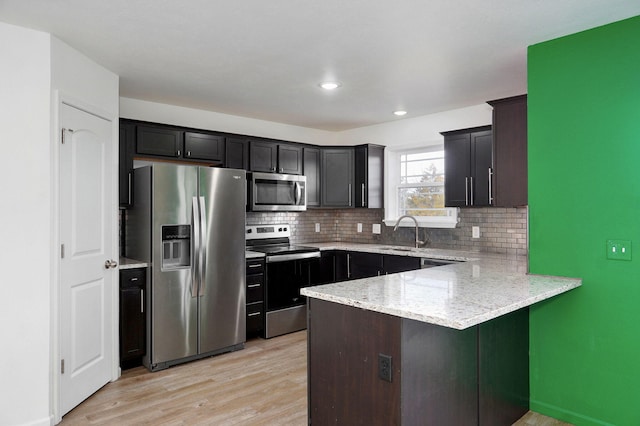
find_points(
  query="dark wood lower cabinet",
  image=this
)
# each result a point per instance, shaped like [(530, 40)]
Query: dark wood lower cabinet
[(132, 317), (439, 376)]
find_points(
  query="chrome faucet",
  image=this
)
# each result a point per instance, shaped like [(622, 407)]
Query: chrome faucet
[(395, 228)]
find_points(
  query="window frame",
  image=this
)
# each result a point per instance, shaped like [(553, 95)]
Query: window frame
[(393, 173)]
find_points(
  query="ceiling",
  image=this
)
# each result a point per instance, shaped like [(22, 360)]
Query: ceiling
[(264, 59)]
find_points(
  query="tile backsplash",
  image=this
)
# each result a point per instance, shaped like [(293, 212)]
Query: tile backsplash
[(502, 230)]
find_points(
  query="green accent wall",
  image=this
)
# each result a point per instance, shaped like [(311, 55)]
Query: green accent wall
[(584, 188)]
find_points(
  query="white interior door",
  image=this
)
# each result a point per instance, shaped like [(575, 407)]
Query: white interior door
[(86, 282)]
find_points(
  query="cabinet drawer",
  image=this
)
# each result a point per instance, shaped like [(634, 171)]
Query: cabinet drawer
[(132, 278), (255, 317), (255, 289), (255, 266)]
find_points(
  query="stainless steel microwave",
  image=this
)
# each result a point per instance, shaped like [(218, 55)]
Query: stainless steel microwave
[(276, 192)]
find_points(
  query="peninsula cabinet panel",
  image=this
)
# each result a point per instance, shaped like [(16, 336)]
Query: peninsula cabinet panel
[(439, 375), (344, 387), (510, 151), (503, 354)]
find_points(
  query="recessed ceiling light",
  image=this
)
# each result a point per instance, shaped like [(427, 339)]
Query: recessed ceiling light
[(400, 113), (330, 85)]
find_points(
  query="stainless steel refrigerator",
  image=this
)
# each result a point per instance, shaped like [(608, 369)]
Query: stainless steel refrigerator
[(188, 223)]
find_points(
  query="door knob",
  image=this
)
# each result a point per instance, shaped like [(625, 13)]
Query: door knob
[(110, 264)]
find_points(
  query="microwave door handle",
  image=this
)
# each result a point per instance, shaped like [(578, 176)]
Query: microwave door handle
[(298, 193)]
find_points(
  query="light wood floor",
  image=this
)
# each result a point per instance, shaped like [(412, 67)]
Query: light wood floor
[(264, 384)]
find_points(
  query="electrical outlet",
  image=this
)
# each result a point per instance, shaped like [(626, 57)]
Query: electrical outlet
[(317, 227), (385, 367), (619, 249), (359, 227), (375, 229), (475, 232)]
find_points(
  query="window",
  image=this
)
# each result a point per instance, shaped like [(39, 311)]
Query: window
[(421, 187), (415, 185)]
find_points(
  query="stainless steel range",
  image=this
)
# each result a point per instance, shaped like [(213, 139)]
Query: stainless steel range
[(288, 269)]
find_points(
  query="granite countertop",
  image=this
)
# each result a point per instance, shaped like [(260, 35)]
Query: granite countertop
[(126, 263), (457, 296), (253, 254)]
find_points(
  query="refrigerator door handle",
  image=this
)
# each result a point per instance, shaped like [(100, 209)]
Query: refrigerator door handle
[(195, 270), (203, 245)]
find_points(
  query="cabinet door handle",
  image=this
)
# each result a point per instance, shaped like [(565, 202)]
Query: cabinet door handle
[(348, 265), (178, 153), (471, 190), (466, 191), (253, 314), (349, 195), (188, 153), (257, 265), (364, 203), (141, 301), (129, 195), (254, 285), (281, 170), (490, 184)]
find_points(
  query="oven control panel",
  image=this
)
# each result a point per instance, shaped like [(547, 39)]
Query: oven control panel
[(260, 232)]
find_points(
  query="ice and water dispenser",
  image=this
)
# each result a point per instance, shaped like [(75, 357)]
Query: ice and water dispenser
[(176, 246)]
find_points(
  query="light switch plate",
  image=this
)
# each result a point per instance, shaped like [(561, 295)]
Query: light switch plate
[(317, 227), (619, 249), (359, 227), (376, 228)]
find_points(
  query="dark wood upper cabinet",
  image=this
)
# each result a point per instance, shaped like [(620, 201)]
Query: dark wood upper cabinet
[(203, 146), (369, 175), (236, 153), (289, 159), (337, 177), (510, 151), (273, 157), (263, 156), (125, 165), (159, 142), (468, 167), (311, 169)]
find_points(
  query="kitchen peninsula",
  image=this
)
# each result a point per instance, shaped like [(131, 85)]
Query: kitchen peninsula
[(446, 345)]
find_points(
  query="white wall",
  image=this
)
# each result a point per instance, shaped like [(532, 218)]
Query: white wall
[(85, 84), (207, 120), (24, 208), (418, 131), (408, 132)]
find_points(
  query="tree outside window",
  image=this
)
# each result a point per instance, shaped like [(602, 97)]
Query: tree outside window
[(421, 188)]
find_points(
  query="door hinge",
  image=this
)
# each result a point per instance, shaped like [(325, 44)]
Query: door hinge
[(63, 132), (61, 251), (62, 366)]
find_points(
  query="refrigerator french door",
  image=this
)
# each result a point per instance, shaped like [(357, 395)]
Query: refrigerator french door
[(188, 222)]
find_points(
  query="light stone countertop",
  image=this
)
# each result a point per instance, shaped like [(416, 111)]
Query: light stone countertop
[(126, 263), (253, 254), (457, 296)]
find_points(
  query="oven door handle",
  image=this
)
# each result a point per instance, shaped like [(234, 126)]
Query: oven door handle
[(294, 256)]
